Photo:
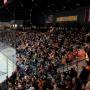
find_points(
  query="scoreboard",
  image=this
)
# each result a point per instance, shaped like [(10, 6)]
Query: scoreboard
[(66, 18)]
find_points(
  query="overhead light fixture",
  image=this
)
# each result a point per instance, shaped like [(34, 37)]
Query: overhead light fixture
[(5, 2), (53, 4), (64, 7), (77, 4), (48, 6), (35, 4), (68, 0), (31, 10)]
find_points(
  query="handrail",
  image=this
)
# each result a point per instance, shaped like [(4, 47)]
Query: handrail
[(4, 49), (71, 64)]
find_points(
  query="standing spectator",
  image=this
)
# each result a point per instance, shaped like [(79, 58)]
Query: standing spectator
[(73, 73), (88, 83), (84, 75), (31, 87), (77, 84)]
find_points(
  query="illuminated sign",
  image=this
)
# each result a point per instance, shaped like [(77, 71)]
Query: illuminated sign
[(68, 18), (5, 2)]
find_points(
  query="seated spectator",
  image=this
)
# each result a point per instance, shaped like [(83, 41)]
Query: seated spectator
[(88, 83)]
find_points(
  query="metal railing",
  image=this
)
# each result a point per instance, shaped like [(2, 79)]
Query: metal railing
[(4, 84)]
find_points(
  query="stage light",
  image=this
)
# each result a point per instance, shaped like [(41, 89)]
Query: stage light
[(5, 2)]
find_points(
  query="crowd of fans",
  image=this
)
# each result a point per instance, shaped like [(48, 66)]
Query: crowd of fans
[(39, 55)]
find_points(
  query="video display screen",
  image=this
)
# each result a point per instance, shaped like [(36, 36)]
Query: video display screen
[(66, 18)]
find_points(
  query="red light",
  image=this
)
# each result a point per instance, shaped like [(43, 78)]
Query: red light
[(5, 2)]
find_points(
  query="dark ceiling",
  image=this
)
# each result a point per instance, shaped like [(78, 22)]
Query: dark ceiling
[(26, 9)]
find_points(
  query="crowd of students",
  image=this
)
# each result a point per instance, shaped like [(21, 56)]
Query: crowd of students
[(39, 55)]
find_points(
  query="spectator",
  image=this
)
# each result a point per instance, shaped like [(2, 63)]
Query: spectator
[(39, 56), (84, 75), (88, 83)]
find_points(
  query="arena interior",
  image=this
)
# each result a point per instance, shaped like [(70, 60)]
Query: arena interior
[(44, 45)]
